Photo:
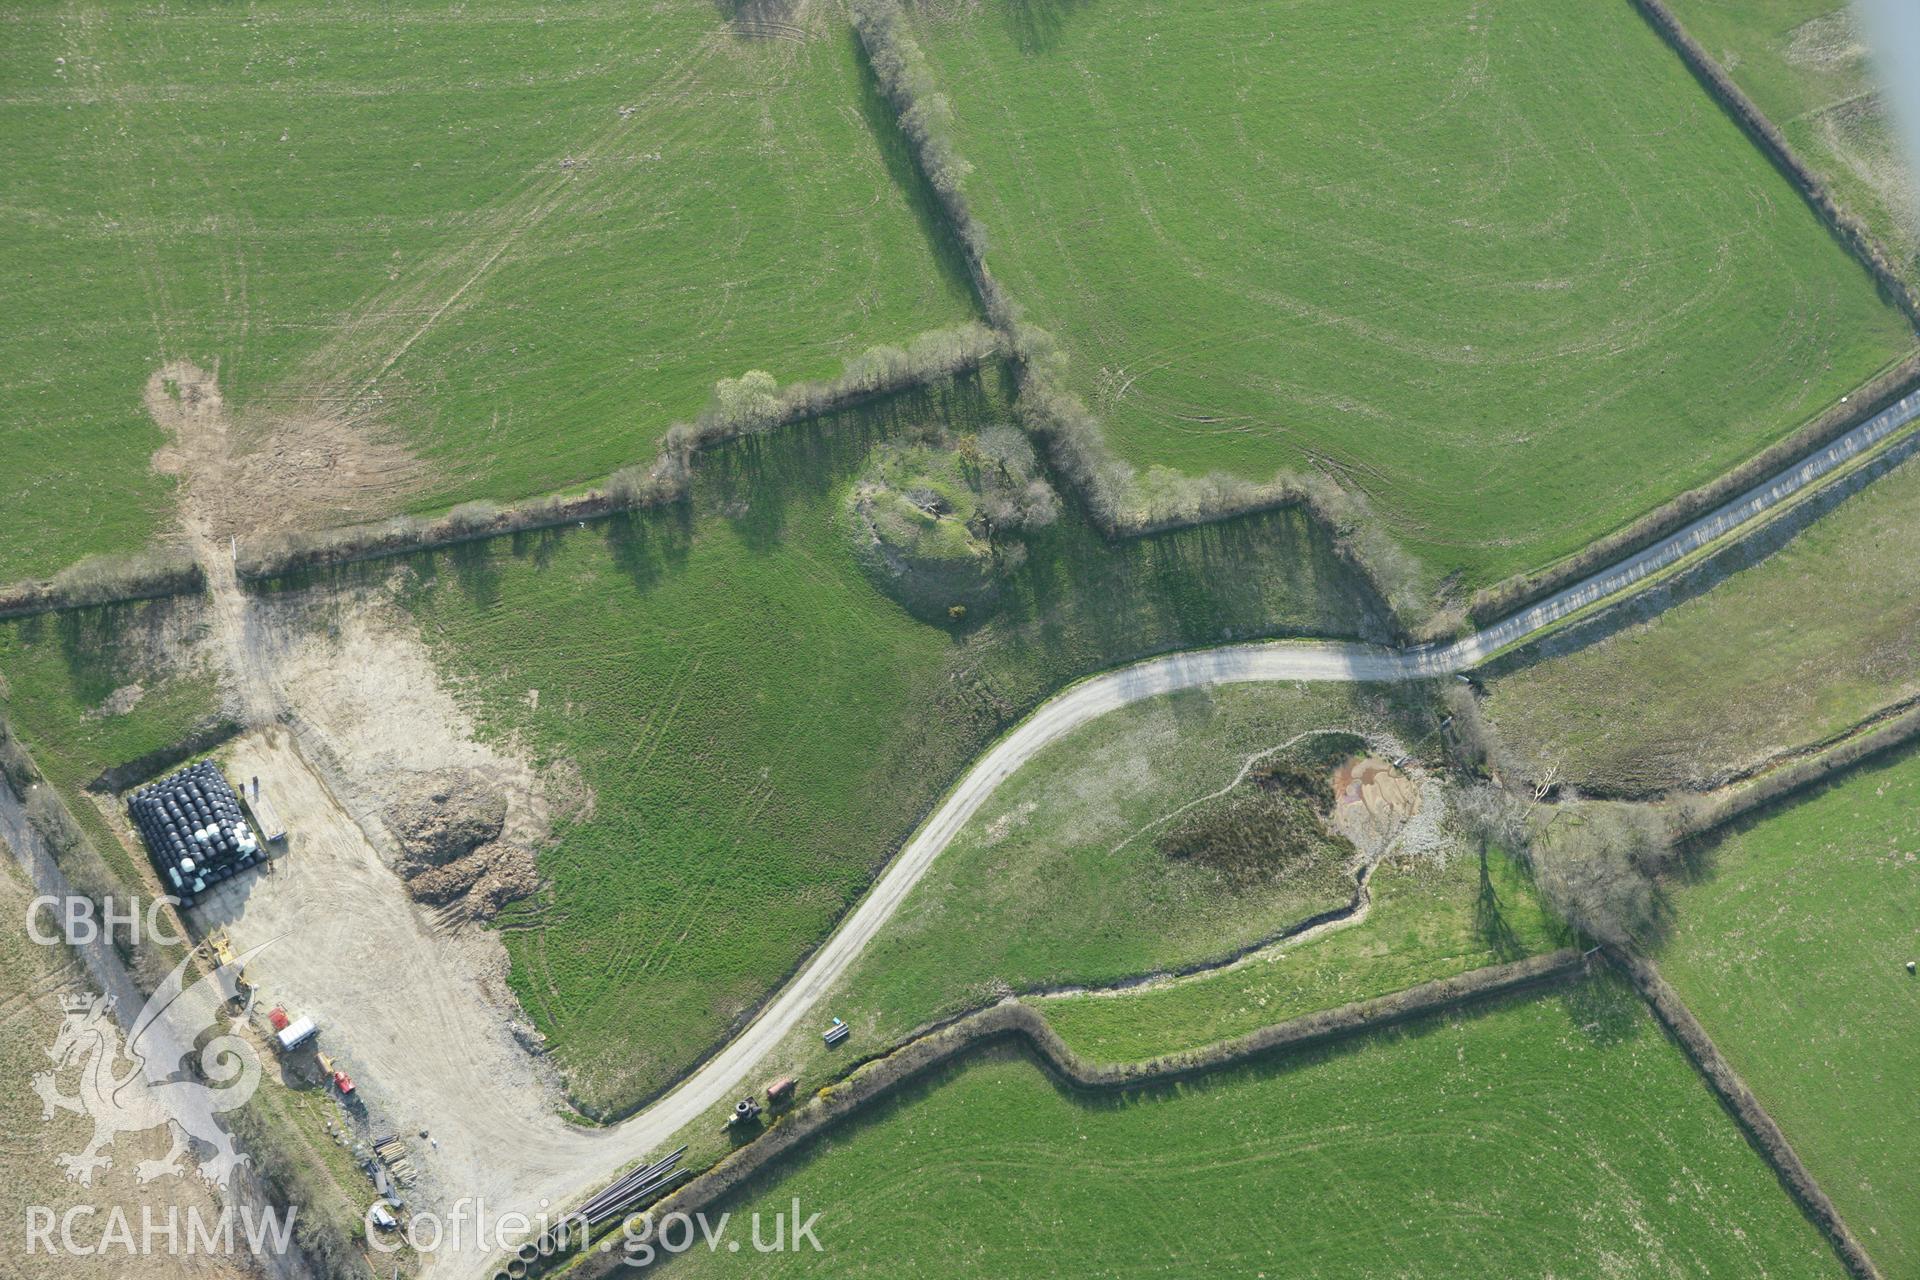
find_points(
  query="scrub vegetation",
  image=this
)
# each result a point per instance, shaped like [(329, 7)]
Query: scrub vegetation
[(939, 521), (1063, 877), (1430, 919)]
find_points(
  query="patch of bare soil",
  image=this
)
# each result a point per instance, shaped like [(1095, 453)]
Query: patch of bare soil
[(376, 724), (350, 720), (226, 490), (1372, 803), (1830, 40), (282, 471), (450, 848), (769, 19), (119, 702), (363, 683)]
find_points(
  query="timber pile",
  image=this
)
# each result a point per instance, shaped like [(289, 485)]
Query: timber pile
[(393, 1153)]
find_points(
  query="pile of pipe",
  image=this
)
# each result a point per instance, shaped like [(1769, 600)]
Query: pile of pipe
[(641, 1182)]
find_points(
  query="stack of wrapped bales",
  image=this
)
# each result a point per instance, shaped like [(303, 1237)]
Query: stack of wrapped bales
[(194, 832)]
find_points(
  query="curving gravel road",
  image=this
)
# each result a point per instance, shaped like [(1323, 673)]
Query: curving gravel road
[(560, 1164), (721, 1076)]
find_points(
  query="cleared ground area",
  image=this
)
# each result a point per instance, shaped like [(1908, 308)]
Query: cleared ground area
[(1791, 949), (1792, 651), (449, 253), (1561, 1135), (1504, 267), (402, 1004)]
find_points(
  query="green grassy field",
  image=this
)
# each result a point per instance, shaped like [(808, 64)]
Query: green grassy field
[(1794, 650), (761, 726), (1429, 920), (1562, 1135), (1059, 880), (518, 240), (1056, 882), (1507, 269), (1791, 951), (1805, 64), (59, 674)]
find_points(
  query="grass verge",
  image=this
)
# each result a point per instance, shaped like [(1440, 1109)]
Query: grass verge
[(1791, 651)]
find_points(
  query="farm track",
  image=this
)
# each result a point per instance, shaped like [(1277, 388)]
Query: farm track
[(1274, 661), (568, 1163), (399, 320)]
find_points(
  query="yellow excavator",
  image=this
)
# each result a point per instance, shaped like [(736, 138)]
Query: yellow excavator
[(218, 949)]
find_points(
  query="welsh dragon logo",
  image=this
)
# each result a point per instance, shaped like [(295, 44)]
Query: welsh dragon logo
[(146, 1095)]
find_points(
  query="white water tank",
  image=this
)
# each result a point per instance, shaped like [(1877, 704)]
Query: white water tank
[(297, 1033)]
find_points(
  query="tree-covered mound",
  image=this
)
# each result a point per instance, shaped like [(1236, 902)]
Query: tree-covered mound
[(938, 518)]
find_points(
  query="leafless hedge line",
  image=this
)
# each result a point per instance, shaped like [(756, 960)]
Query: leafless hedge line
[(1692, 816), (111, 579), (1747, 1111), (46, 812), (751, 404), (1121, 502), (1124, 502), (326, 1235), (326, 1241), (1502, 599), (1742, 550), (1845, 227), (926, 119), (1012, 1021)]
